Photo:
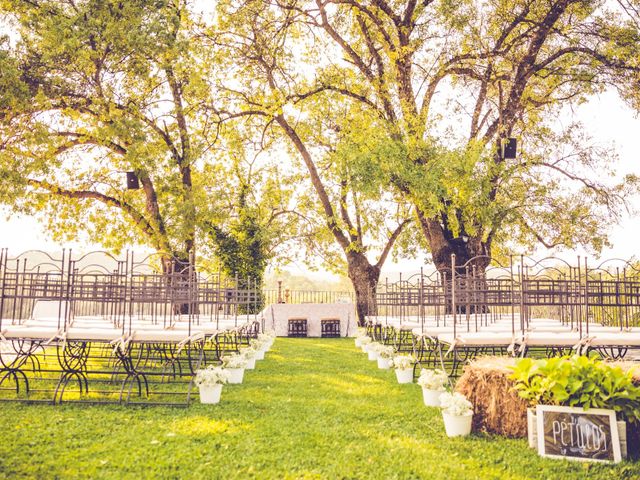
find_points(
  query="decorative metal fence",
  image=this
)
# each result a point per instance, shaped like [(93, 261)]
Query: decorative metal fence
[(308, 296)]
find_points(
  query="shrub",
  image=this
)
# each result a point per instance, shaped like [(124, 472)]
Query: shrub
[(577, 381)]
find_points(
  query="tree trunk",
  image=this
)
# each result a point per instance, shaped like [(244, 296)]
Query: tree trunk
[(364, 278), (472, 257), (181, 282)]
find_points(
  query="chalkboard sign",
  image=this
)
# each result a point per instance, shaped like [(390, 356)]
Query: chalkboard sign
[(578, 434)]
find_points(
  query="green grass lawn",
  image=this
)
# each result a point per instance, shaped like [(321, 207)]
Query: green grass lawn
[(312, 409)]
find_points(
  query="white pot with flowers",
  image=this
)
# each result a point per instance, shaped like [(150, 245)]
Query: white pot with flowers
[(364, 344), (359, 336), (457, 413), (267, 341), (403, 365), (258, 346), (235, 365), (249, 354), (433, 383), (372, 351), (385, 354), (210, 381)]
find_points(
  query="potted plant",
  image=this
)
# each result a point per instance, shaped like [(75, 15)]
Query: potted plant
[(457, 414), (259, 347), (209, 381), (235, 365), (433, 383), (249, 354), (359, 340), (364, 343), (359, 336), (267, 341), (577, 381), (372, 351), (403, 365), (385, 354)]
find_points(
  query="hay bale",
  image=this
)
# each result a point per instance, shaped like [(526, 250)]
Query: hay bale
[(498, 408)]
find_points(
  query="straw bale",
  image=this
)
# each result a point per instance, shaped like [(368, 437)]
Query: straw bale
[(497, 407)]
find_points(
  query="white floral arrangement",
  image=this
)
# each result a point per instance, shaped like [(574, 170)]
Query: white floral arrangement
[(402, 362), (384, 351), (362, 332), (234, 361), (433, 380), (365, 340), (248, 352), (211, 376), (374, 346), (455, 404), (256, 344), (264, 338)]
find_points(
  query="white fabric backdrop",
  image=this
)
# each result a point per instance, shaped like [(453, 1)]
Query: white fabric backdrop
[(276, 317)]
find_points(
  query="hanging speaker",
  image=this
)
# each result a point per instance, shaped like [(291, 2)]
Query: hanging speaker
[(509, 148), (132, 181)]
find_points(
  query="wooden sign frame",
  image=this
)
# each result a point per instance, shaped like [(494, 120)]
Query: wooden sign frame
[(608, 416)]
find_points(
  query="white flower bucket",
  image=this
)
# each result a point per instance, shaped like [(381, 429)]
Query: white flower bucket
[(358, 342), (457, 426), (251, 363), (235, 375), (210, 394), (260, 355), (384, 363), (365, 347), (404, 376), (431, 397), (373, 355)]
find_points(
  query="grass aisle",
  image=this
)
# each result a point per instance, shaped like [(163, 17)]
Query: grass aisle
[(312, 409)]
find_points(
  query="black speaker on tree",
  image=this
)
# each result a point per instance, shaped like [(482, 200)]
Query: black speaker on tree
[(132, 181), (509, 148)]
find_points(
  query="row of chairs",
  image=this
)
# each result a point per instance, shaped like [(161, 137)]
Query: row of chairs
[(441, 349), (89, 360)]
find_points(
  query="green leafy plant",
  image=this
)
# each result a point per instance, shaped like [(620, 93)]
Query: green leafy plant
[(578, 381)]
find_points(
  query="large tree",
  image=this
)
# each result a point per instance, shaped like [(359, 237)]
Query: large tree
[(93, 89), (265, 79), (450, 81)]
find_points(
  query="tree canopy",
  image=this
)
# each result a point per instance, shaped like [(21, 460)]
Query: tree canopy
[(354, 127), (440, 85)]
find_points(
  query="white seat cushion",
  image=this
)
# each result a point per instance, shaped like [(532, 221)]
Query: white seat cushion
[(477, 339), (628, 339), (159, 335), (95, 334), (551, 339), (33, 333)]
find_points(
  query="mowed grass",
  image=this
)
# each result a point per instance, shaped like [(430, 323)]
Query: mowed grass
[(313, 409)]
